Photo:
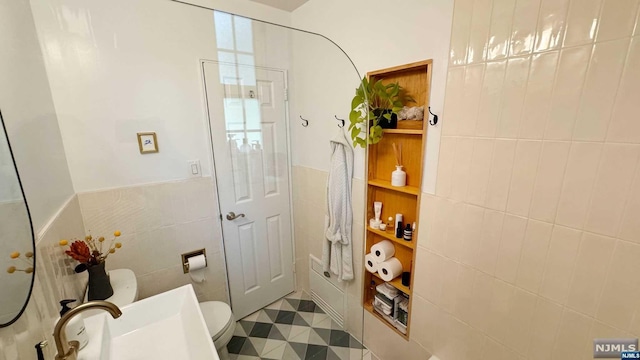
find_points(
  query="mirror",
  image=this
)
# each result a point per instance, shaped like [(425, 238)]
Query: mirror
[(17, 251)]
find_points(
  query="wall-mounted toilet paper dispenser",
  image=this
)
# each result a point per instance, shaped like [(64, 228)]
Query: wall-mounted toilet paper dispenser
[(192, 254)]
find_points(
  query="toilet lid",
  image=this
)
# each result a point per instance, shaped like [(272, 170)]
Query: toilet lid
[(217, 315)]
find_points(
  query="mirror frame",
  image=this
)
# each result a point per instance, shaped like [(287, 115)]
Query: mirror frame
[(33, 238)]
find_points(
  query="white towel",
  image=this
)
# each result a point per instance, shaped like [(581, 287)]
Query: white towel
[(337, 254)]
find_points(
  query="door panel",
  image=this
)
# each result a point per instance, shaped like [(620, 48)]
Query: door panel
[(249, 136)]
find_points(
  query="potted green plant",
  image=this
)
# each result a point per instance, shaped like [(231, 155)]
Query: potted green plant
[(377, 105)]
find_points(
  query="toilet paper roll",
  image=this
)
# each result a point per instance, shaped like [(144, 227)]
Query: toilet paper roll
[(390, 269), (383, 250), (371, 263), (197, 265)]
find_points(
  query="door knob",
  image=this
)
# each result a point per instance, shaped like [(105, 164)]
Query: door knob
[(232, 216)]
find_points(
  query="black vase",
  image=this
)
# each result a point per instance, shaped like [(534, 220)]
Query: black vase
[(99, 283), (383, 122)]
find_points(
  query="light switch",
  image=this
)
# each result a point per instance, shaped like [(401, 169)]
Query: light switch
[(194, 168)]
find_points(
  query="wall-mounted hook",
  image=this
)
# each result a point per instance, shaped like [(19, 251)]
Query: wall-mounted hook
[(305, 121), (435, 118), (341, 121)]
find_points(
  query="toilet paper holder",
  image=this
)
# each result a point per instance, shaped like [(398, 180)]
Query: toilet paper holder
[(186, 256)]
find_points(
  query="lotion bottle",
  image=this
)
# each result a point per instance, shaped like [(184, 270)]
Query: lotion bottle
[(75, 329)]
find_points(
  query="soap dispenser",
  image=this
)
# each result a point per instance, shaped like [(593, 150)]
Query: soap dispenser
[(75, 329)]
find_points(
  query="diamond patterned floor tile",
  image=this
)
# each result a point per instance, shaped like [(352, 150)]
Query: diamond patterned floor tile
[(248, 349), (275, 334), (276, 305), (235, 344), (247, 325), (318, 318), (296, 330), (246, 357), (354, 343), (324, 324), (316, 352), (338, 353), (315, 339), (239, 331), (307, 306), (261, 330), (271, 345), (285, 329), (293, 302), (339, 338), (258, 344), (264, 317), (307, 316), (301, 335), (277, 353), (324, 334), (299, 320), (298, 349), (292, 328), (272, 314), (285, 317), (286, 305), (252, 317)]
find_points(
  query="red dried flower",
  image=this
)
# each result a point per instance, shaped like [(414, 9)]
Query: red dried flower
[(79, 251)]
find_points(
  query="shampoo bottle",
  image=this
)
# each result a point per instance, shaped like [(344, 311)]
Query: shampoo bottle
[(75, 329)]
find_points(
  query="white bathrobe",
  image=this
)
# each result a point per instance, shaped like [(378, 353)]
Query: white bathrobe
[(337, 254)]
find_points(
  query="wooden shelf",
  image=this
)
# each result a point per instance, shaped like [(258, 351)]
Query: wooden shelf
[(392, 237), (396, 283), (411, 137), (413, 190), (369, 307), (403, 131)]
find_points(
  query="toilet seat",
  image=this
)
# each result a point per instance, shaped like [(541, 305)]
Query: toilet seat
[(220, 321)]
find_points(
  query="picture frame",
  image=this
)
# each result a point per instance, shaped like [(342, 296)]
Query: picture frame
[(147, 142)]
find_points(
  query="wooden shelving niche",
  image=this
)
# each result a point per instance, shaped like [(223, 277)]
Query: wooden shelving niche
[(415, 78)]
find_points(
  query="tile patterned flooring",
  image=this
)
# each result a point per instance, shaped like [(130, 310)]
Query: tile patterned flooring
[(293, 328)]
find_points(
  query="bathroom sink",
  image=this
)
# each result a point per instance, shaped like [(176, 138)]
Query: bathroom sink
[(166, 326)]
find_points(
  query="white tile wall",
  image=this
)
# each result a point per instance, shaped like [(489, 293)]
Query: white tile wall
[(533, 227), (158, 223), (500, 31), (523, 30), (55, 280), (623, 127), (551, 24), (582, 22)]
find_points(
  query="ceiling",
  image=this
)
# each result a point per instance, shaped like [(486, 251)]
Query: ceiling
[(287, 5)]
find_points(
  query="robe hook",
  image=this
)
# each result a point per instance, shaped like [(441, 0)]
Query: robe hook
[(341, 125), (435, 118), (305, 121)]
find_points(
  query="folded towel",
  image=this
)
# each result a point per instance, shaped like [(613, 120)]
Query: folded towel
[(387, 290)]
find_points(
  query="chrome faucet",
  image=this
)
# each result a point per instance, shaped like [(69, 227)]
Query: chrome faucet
[(68, 350)]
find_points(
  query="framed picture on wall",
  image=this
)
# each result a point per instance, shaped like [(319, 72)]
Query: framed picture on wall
[(148, 142)]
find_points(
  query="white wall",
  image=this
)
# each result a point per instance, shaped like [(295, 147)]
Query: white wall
[(29, 114), (377, 34), (120, 67)]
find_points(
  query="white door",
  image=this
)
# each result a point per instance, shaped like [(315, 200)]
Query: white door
[(250, 146)]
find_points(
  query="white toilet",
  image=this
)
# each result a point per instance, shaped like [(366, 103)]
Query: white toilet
[(217, 315), (221, 324)]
